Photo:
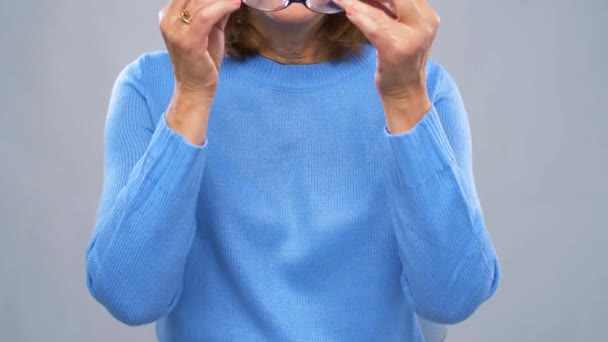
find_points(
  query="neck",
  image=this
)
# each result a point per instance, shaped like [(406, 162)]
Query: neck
[(291, 44)]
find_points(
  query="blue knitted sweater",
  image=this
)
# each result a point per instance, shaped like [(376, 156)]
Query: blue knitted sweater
[(300, 218)]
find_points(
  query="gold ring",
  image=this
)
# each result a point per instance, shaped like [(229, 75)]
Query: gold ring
[(185, 17)]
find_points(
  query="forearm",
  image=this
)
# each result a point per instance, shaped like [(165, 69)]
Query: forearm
[(403, 112), (449, 262), (188, 114), (137, 255)]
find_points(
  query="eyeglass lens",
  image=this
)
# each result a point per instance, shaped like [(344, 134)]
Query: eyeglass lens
[(322, 6)]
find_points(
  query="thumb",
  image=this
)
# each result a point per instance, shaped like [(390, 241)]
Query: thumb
[(222, 23)]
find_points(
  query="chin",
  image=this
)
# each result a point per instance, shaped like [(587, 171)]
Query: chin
[(294, 14)]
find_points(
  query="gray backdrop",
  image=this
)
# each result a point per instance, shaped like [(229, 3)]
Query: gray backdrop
[(532, 74)]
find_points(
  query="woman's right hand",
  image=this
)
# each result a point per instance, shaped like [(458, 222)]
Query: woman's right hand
[(196, 49)]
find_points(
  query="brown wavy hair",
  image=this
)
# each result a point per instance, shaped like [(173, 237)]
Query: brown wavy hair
[(341, 36)]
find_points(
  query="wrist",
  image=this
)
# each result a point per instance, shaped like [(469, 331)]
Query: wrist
[(185, 87), (188, 114), (191, 94), (405, 109)]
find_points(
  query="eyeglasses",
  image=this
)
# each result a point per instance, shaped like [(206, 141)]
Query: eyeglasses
[(319, 6)]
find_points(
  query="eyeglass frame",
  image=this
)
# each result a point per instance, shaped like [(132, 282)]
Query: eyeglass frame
[(289, 2)]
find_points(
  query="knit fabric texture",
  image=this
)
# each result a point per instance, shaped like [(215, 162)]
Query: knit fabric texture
[(300, 218)]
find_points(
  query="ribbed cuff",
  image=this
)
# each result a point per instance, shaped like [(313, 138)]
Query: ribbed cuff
[(422, 151), (174, 163)]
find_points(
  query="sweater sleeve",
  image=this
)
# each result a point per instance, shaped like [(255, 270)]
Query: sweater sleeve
[(145, 221), (449, 262)]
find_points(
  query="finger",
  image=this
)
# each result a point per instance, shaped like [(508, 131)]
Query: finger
[(196, 5), (407, 10), (223, 22), (209, 16), (428, 12), (384, 5), (423, 6), (375, 23), (173, 7), (216, 37)]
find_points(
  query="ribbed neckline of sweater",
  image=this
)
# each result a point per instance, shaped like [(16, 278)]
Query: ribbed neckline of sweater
[(301, 76)]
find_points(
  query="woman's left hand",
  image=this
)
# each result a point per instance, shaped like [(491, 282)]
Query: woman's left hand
[(403, 43)]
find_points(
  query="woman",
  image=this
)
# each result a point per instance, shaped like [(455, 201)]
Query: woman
[(317, 187)]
